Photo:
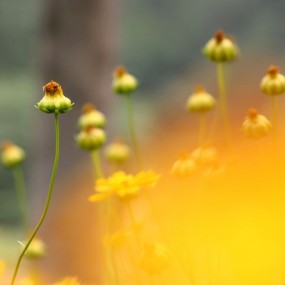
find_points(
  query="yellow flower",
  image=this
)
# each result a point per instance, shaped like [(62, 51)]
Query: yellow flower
[(27, 281), (123, 185), (68, 281)]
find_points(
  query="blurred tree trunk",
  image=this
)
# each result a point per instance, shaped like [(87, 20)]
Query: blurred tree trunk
[(79, 52)]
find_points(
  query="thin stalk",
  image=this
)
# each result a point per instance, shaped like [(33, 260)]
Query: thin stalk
[(132, 130), (97, 164), (223, 100), (21, 195), (50, 191), (275, 115), (202, 128)]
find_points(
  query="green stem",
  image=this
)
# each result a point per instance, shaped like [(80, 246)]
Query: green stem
[(97, 164), (275, 115), (132, 130), (223, 100), (202, 128), (21, 195), (50, 191)]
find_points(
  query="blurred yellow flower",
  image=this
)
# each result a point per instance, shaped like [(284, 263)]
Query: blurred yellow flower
[(123, 185), (27, 281)]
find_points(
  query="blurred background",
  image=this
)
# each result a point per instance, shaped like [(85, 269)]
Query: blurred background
[(79, 43)]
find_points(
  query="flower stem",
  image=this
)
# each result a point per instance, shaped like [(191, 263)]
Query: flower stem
[(97, 164), (275, 115), (223, 100), (50, 191), (132, 130), (21, 195), (202, 128)]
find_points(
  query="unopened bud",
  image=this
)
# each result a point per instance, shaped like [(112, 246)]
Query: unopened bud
[(54, 101), (117, 152), (255, 126), (36, 250), (273, 83), (221, 48), (184, 166), (91, 138), (200, 101), (11, 155), (91, 117), (124, 83)]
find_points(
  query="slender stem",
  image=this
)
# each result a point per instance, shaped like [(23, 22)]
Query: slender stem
[(132, 130), (223, 100), (97, 164), (275, 114), (202, 128), (21, 195), (50, 191)]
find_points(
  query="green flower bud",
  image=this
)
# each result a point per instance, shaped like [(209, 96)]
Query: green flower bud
[(155, 259), (117, 152), (200, 101), (91, 117), (273, 83), (91, 138), (255, 126), (184, 166), (54, 101), (221, 48), (36, 250), (124, 83), (11, 155)]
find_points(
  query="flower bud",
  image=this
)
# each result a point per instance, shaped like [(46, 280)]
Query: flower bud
[(206, 155), (255, 126), (36, 250), (91, 117), (221, 48), (54, 101), (273, 83), (124, 83), (90, 138), (117, 152), (200, 101), (155, 258), (184, 166), (11, 155)]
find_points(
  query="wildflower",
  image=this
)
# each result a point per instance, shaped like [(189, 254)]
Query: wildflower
[(90, 138), (117, 151), (123, 185), (54, 101), (221, 48), (123, 83), (91, 117), (37, 249), (200, 101), (273, 83), (11, 155), (255, 126), (155, 258), (184, 166), (68, 281)]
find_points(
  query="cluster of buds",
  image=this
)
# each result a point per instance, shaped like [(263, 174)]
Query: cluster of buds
[(221, 48), (91, 136)]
